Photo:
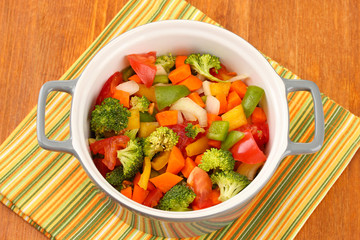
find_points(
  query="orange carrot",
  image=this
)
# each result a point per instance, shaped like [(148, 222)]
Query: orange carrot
[(139, 194), (258, 115), (192, 83), (127, 192), (189, 166), (239, 87), (197, 99), (123, 97), (223, 102), (150, 186), (176, 161), (215, 194), (135, 78), (165, 181), (214, 143), (179, 74), (180, 60), (137, 178), (198, 159), (166, 118), (212, 117), (151, 108), (233, 100)]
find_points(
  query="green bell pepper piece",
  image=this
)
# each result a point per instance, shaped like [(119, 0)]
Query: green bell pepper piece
[(167, 95), (232, 138), (251, 99), (218, 130), (127, 72), (161, 79), (147, 117)]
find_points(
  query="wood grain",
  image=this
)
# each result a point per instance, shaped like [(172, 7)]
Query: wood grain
[(318, 40)]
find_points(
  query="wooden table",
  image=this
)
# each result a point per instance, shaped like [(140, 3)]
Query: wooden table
[(318, 40)]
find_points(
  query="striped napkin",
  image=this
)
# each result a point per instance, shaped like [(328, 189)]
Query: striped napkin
[(52, 192)]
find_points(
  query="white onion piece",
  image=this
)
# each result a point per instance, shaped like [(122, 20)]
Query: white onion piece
[(206, 88), (212, 105), (130, 86), (201, 77), (238, 77), (189, 116), (200, 90), (188, 105), (160, 70), (180, 118)]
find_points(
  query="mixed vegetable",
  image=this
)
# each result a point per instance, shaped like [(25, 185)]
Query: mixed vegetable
[(178, 133)]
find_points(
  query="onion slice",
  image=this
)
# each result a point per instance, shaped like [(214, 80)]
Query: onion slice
[(238, 77), (130, 86), (206, 88), (212, 105), (185, 104)]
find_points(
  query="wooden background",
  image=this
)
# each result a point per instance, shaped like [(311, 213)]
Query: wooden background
[(317, 40)]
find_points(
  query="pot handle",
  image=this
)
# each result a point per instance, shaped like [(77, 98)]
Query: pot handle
[(62, 86), (295, 148)]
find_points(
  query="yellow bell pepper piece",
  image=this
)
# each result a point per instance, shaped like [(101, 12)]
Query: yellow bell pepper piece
[(146, 128), (221, 87), (197, 147), (160, 161), (236, 117), (145, 176), (134, 120), (149, 93)]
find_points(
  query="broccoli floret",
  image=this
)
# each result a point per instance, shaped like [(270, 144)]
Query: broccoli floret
[(192, 131), (109, 117), (162, 139), (166, 61), (131, 158), (203, 63), (230, 183), (116, 176), (177, 198), (131, 133), (140, 103), (217, 159)]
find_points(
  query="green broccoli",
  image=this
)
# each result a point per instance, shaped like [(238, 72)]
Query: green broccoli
[(192, 131), (140, 103), (177, 198), (131, 133), (166, 61), (162, 139), (230, 183), (116, 176), (217, 159), (109, 117), (131, 158), (203, 63)]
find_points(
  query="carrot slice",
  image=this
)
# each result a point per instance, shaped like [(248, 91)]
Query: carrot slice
[(180, 60), (198, 159), (179, 74), (135, 78), (176, 161), (139, 194), (167, 118), (233, 100), (258, 115), (192, 83), (166, 181), (189, 166), (212, 117), (214, 143), (123, 97), (215, 194), (239, 87), (197, 99), (127, 192), (223, 102)]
